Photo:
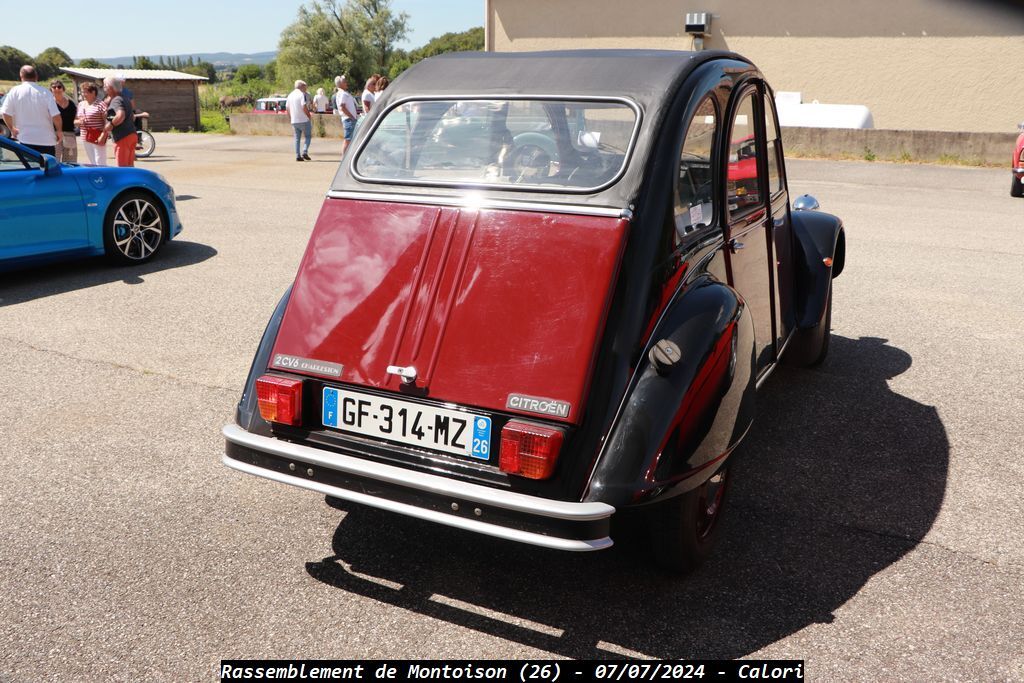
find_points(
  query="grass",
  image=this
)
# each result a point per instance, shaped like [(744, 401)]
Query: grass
[(903, 158), (213, 122)]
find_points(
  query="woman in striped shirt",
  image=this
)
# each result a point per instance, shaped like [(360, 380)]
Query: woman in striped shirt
[(91, 118)]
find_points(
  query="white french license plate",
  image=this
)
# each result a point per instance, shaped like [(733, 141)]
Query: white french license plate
[(414, 424)]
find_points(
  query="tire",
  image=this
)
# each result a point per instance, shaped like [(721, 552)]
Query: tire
[(146, 144), (683, 529), (808, 348), (135, 228), (1016, 187)]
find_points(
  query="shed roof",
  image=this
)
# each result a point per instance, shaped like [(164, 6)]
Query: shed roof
[(133, 74)]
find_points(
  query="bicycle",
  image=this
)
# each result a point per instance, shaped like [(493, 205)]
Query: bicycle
[(146, 143)]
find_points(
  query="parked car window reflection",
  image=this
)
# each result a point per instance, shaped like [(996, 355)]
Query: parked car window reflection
[(743, 187), (694, 206), (772, 148)]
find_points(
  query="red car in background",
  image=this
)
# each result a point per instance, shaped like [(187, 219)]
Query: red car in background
[(270, 105), (1017, 164)]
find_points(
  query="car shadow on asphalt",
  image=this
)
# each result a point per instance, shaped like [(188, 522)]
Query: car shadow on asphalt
[(18, 286), (839, 478)]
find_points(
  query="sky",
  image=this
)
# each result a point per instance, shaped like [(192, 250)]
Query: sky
[(145, 28)]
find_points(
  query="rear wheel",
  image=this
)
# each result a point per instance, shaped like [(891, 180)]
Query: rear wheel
[(135, 228), (1016, 187), (146, 144), (808, 348), (683, 529)]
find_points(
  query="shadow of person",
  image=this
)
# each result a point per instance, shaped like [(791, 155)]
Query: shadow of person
[(18, 286), (839, 478)]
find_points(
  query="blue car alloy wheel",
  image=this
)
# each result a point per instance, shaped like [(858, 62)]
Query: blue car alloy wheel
[(135, 228)]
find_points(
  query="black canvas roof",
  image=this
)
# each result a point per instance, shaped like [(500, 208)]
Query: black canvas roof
[(642, 75), (650, 78)]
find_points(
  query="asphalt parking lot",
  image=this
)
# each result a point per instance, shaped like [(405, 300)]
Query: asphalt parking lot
[(875, 527)]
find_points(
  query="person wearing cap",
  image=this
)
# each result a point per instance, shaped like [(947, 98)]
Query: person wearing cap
[(345, 105), (298, 110)]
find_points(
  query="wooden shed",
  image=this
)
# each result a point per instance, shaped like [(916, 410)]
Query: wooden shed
[(170, 97)]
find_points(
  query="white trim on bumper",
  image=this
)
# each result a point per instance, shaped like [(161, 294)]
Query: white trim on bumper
[(420, 481)]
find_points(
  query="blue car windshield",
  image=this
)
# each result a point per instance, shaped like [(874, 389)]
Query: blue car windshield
[(513, 144)]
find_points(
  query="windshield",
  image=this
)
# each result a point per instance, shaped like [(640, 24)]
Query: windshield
[(550, 144)]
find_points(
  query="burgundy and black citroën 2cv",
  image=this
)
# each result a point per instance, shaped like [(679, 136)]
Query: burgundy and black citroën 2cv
[(544, 288)]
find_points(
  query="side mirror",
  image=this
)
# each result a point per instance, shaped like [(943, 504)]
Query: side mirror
[(806, 202), (51, 167)]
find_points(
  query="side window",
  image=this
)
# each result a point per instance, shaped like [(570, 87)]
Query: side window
[(12, 161), (743, 187), (772, 147), (694, 201)]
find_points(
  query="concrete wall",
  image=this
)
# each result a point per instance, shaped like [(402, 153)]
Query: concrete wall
[(895, 145), (324, 125), (948, 65), (901, 145)]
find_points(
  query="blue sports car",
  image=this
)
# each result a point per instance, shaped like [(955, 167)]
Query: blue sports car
[(51, 211)]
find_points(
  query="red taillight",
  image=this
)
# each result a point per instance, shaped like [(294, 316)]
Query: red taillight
[(280, 399), (529, 450)]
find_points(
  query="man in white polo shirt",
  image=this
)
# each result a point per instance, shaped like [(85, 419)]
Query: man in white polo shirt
[(31, 113), (298, 110)]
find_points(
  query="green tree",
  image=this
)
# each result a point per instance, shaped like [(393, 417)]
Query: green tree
[(144, 63), (201, 69), (11, 61), (50, 60), (247, 72), (270, 71), (380, 28), (90, 63), (330, 37), (471, 39)]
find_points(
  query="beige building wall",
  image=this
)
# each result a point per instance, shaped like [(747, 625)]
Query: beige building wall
[(951, 65)]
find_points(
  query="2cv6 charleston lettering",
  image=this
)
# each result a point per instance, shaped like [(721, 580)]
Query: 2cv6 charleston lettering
[(583, 262)]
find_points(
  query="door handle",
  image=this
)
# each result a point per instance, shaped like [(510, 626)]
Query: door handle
[(735, 245)]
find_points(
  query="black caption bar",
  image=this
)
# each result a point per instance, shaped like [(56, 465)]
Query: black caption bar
[(528, 671)]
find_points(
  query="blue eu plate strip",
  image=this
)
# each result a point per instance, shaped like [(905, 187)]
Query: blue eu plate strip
[(330, 407)]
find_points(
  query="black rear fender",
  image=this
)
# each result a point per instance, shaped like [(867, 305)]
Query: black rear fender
[(678, 423), (820, 256)]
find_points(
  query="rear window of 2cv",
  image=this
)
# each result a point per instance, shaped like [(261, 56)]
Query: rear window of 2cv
[(550, 144)]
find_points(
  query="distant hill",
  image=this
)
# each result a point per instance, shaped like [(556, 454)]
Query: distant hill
[(218, 59)]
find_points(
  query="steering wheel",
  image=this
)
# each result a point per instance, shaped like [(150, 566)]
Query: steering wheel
[(529, 162)]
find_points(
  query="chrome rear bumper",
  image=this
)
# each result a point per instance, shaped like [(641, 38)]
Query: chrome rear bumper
[(483, 509)]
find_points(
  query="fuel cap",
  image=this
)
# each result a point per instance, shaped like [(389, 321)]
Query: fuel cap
[(664, 356)]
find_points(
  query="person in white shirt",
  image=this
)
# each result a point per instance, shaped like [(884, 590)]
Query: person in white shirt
[(320, 102), (369, 94), (31, 113), (299, 112), (345, 105)]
